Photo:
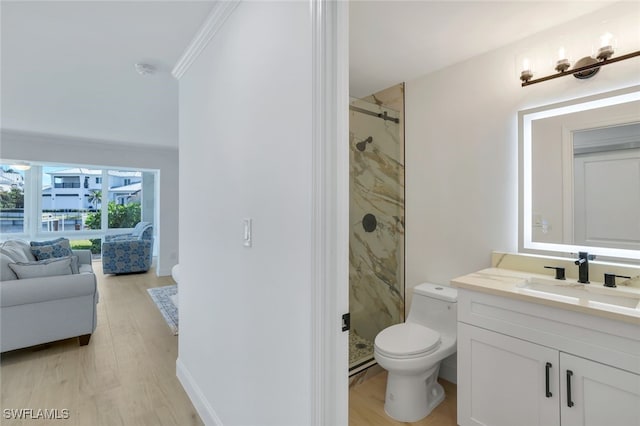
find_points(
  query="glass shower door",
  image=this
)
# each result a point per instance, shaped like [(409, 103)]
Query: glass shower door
[(376, 236)]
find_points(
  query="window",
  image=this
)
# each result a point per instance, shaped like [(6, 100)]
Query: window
[(125, 196), (66, 182), (11, 200), (65, 206), (76, 202)]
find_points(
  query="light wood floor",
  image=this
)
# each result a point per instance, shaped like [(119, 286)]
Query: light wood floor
[(366, 405), (125, 376)]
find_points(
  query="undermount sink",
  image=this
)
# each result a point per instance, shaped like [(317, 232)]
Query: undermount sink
[(590, 294)]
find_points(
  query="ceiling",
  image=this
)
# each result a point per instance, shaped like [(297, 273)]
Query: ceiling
[(68, 67), (395, 41)]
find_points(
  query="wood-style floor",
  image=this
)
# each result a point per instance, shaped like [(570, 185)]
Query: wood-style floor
[(125, 376), (366, 405)]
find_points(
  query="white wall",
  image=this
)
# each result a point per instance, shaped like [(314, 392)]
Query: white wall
[(461, 145), (71, 150), (245, 152)]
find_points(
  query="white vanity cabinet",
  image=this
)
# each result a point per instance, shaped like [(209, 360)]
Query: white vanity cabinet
[(600, 394), (501, 380), (521, 363)]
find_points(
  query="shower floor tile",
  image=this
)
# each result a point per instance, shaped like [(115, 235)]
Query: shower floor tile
[(360, 349)]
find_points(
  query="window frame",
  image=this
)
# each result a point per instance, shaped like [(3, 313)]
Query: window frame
[(32, 228)]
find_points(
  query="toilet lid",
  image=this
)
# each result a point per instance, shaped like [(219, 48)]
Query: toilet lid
[(407, 339)]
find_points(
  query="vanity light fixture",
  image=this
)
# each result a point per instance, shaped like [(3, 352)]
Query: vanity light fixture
[(584, 68)]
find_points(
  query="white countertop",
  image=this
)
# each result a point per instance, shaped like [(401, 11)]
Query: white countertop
[(509, 283)]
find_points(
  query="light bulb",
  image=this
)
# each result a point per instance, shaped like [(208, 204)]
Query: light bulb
[(563, 63), (605, 39), (606, 50), (562, 53), (526, 73)]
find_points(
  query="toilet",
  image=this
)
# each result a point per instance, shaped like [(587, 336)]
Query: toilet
[(411, 352)]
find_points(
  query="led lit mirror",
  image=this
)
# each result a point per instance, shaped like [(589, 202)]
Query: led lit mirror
[(580, 176)]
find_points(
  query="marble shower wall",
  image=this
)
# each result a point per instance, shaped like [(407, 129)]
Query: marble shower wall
[(376, 241)]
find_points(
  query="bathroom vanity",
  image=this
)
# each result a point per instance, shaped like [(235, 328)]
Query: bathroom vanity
[(533, 350)]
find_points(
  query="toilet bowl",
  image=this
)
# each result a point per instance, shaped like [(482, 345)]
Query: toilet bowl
[(411, 353)]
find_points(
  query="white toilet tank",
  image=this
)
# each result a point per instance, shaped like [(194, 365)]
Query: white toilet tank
[(435, 306)]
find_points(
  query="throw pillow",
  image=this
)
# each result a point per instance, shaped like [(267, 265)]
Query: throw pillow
[(17, 250), (42, 268), (49, 249), (46, 243), (75, 265), (6, 273)]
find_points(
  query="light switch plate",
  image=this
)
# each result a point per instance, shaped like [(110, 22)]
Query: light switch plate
[(247, 232)]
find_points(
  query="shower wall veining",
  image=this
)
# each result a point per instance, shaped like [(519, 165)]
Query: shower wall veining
[(376, 212)]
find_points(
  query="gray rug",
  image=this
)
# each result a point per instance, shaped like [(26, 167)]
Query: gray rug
[(162, 298)]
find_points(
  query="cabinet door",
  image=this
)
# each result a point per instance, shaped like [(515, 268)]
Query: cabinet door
[(503, 381), (599, 394)]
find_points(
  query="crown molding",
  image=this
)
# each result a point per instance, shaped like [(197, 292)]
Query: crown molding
[(214, 22)]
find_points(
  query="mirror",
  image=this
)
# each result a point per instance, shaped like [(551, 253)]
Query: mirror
[(580, 176)]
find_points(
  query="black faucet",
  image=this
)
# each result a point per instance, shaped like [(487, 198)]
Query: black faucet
[(583, 266)]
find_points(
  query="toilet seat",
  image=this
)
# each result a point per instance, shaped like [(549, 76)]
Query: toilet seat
[(407, 340)]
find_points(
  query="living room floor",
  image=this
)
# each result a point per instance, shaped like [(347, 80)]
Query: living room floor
[(125, 376)]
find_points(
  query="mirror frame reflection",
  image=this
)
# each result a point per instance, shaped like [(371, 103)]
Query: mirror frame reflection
[(526, 243)]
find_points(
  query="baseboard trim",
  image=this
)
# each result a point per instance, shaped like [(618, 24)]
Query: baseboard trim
[(163, 272), (200, 403)]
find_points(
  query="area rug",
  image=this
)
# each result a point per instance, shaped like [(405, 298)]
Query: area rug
[(162, 298)]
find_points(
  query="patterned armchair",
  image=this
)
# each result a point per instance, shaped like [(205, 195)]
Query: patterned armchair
[(127, 253)]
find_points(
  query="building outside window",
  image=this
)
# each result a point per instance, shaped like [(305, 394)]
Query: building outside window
[(74, 200), (11, 200)]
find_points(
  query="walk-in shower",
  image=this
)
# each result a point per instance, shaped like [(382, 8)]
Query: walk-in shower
[(376, 237)]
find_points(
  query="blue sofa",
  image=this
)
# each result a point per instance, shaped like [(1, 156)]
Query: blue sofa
[(128, 253)]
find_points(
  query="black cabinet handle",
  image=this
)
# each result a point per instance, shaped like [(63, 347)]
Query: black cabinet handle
[(569, 401), (546, 380)]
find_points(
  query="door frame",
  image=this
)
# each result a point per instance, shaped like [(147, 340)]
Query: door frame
[(330, 211)]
